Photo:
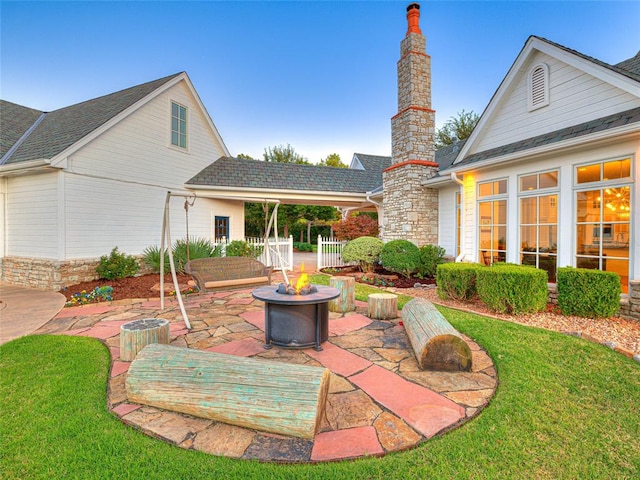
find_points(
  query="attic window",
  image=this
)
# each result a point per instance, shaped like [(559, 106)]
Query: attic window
[(178, 125), (538, 87)]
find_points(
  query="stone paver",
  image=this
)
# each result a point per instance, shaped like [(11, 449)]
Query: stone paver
[(378, 399)]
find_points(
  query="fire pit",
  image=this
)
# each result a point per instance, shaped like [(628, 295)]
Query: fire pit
[(296, 320)]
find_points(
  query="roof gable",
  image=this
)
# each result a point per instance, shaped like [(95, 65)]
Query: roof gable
[(64, 130), (583, 90)]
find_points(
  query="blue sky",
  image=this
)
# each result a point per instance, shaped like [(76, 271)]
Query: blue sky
[(319, 75)]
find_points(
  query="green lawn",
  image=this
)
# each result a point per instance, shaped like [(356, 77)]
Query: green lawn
[(565, 408)]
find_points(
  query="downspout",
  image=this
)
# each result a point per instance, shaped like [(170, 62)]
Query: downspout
[(454, 177), (379, 209)]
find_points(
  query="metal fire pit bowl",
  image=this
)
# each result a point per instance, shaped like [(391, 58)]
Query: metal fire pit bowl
[(296, 321)]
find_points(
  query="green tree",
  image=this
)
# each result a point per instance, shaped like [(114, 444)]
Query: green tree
[(332, 160), (459, 127), (284, 154), (245, 156)]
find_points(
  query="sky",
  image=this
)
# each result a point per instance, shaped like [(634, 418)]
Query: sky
[(317, 75)]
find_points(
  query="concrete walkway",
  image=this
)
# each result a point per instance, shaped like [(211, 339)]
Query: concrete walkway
[(24, 310)]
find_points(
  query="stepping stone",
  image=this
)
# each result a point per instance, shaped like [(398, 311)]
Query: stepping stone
[(352, 442), (241, 348), (347, 324), (338, 360)]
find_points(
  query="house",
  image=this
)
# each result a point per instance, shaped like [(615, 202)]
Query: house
[(78, 181), (549, 177)]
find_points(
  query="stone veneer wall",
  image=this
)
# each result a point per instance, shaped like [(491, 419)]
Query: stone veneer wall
[(48, 274), (411, 210)]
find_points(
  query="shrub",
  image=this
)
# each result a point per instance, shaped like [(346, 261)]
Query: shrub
[(117, 265), (513, 288), (588, 293), (457, 280), (151, 258), (400, 256), (303, 246), (430, 257), (355, 226), (364, 250), (240, 248), (198, 248)]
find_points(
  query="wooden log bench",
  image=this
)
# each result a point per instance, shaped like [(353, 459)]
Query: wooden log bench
[(436, 344), (136, 335), (382, 306), (227, 273), (275, 397)]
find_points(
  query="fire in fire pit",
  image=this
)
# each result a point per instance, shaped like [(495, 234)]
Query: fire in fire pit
[(302, 287)]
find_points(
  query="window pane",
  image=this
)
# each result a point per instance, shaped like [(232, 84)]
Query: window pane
[(485, 190), (528, 239), (183, 141), (530, 182), (547, 243), (174, 109), (500, 212), (500, 187), (583, 262), (528, 259), (617, 204), (548, 263), (500, 238), (174, 138), (549, 179), (485, 213), (485, 237), (528, 210), (589, 173), (549, 209), (585, 239), (588, 208), (617, 169)]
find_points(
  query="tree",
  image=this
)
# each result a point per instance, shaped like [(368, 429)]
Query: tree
[(459, 127), (356, 226), (284, 154), (333, 160), (245, 156)]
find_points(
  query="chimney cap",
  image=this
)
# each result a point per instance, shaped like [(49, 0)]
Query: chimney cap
[(412, 6)]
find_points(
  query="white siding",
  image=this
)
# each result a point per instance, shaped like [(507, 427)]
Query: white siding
[(575, 97), (447, 219), (32, 216), (102, 214)]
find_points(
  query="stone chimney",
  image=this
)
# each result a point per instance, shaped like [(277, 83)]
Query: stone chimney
[(411, 210)]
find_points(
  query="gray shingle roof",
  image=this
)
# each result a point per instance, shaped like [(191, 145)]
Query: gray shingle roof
[(586, 128), (373, 162), (15, 120), (244, 173), (62, 128)]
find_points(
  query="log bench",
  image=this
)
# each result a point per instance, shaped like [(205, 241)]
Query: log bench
[(436, 344), (227, 273), (275, 397)]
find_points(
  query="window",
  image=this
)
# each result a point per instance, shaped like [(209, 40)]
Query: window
[(492, 227), (178, 125), (538, 84), (539, 221), (221, 228), (603, 217)]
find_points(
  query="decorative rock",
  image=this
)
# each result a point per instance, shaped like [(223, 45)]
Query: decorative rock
[(382, 306), (136, 335), (351, 409), (394, 434), (346, 302)]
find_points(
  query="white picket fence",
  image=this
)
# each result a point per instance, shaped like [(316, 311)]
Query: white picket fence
[(330, 252), (269, 255)]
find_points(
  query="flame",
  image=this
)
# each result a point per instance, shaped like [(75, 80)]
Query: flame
[(303, 280)]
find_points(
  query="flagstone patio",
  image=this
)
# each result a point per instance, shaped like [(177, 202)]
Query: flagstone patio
[(379, 401)]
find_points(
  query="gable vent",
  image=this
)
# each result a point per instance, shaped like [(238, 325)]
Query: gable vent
[(538, 87)]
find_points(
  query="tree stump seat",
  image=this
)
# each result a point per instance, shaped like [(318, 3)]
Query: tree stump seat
[(136, 335), (382, 306), (436, 344), (346, 302), (274, 397)]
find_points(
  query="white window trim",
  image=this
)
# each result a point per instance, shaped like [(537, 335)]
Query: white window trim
[(542, 88)]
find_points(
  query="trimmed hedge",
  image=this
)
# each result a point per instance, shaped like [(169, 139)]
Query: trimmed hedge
[(588, 293), (364, 250), (457, 280), (513, 288), (430, 257)]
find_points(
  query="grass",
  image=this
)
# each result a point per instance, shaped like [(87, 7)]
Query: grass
[(564, 409), (362, 290)]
